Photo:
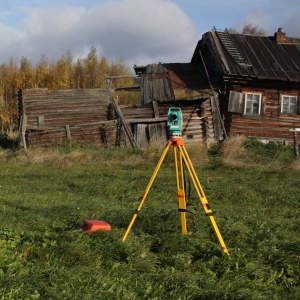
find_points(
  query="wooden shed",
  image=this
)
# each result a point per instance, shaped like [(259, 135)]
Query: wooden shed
[(183, 85), (92, 116), (48, 117), (258, 82)]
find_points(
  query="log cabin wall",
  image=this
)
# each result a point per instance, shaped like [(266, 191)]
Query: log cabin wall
[(271, 125), (197, 120), (48, 117), (197, 127)]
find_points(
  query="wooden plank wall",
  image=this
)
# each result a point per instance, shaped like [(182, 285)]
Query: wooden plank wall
[(86, 117), (72, 107), (272, 125), (55, 117), (100, 134), (197, 121)]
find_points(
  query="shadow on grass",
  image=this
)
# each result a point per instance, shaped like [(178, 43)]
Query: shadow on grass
[(7, 142)]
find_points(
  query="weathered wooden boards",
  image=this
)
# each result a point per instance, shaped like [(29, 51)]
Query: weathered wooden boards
[(84, 116), (198, 125), (271, 125), (55, 117)]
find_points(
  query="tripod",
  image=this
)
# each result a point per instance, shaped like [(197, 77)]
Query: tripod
[(181, 157)]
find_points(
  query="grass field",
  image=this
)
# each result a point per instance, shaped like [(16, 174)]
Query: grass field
[(46, 194)]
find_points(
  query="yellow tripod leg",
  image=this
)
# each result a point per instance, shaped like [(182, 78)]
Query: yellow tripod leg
[(180, 190), (202, 196), (147, 189)]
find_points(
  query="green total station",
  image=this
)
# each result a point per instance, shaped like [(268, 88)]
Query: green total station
[(174, 124)]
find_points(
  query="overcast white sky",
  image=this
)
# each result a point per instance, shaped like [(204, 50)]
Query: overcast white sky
[(138, 31)]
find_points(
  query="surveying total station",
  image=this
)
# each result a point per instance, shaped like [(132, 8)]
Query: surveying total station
[(181, 160), (174, 124)]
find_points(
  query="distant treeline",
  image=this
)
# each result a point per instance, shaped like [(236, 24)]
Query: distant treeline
[(66, 73)]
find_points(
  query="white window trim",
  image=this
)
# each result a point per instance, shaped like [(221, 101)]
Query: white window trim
[(259, 106), (281, 104)]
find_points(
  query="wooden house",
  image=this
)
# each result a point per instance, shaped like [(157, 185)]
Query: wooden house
[(235, 84), (258, 82)]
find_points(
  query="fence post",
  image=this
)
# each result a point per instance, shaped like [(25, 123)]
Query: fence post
[(296, 148), (68, 132)]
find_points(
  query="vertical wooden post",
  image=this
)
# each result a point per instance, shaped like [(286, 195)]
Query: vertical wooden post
[(68, 131), (23, 131), (155, 109), (296, 149)]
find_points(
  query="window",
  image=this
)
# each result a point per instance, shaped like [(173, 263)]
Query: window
[(252, 104), (249, 104), (288, 104)]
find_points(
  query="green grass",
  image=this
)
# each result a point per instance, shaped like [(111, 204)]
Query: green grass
[(45, 195)]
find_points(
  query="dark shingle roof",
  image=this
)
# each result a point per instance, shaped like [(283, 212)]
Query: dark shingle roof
[(255, 56)]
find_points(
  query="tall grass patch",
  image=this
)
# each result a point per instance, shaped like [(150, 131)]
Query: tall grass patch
[(54, 157), (233, 150), (240, 151), (197, 152)]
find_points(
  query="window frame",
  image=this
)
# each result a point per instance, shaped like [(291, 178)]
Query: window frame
[(289, 98), (252, 100)]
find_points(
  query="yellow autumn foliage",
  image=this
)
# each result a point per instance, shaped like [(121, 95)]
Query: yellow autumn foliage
[(66, 73)]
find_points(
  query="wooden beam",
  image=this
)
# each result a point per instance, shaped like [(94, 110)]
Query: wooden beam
[(125, 125), (122, 76), (148, 120)]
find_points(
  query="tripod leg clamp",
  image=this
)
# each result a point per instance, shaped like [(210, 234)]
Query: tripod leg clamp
[(210, 214)]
